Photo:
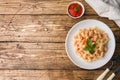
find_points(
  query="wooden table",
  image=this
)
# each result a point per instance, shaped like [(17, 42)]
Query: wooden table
[(32, 41)]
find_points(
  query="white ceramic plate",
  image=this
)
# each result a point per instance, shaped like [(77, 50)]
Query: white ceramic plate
[(70, 49)]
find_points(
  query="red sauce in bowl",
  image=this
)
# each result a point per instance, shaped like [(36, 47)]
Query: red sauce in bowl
[(75, 10)]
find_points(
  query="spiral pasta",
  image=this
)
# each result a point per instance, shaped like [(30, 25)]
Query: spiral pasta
[(97, 37)]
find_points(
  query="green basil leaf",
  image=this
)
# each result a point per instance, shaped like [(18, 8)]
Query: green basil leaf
[(91, 51), (89, 42), (77, 8), (89, 47), (93, 46), (86, 48)]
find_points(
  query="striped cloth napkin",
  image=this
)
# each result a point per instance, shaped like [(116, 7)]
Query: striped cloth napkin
[(107, 8)]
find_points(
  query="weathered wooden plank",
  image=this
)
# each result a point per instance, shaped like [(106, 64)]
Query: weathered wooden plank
[(38, 7), (32, 39), (51, 75), (37, 56), (44, 28), (53, 22), (33, 46), (34, 59), (38, 46)]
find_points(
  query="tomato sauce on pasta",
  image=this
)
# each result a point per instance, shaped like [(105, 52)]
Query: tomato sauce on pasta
[(97, 37)]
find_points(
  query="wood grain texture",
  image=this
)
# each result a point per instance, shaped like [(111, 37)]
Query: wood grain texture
[(32, 41), (51, 75), (38, 7), (37, 56), (27, 38), (44, 28)]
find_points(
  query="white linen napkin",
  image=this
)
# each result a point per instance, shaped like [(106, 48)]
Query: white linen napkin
[(107, 8)]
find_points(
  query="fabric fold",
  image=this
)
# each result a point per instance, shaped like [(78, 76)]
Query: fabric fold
[(107, 8)]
